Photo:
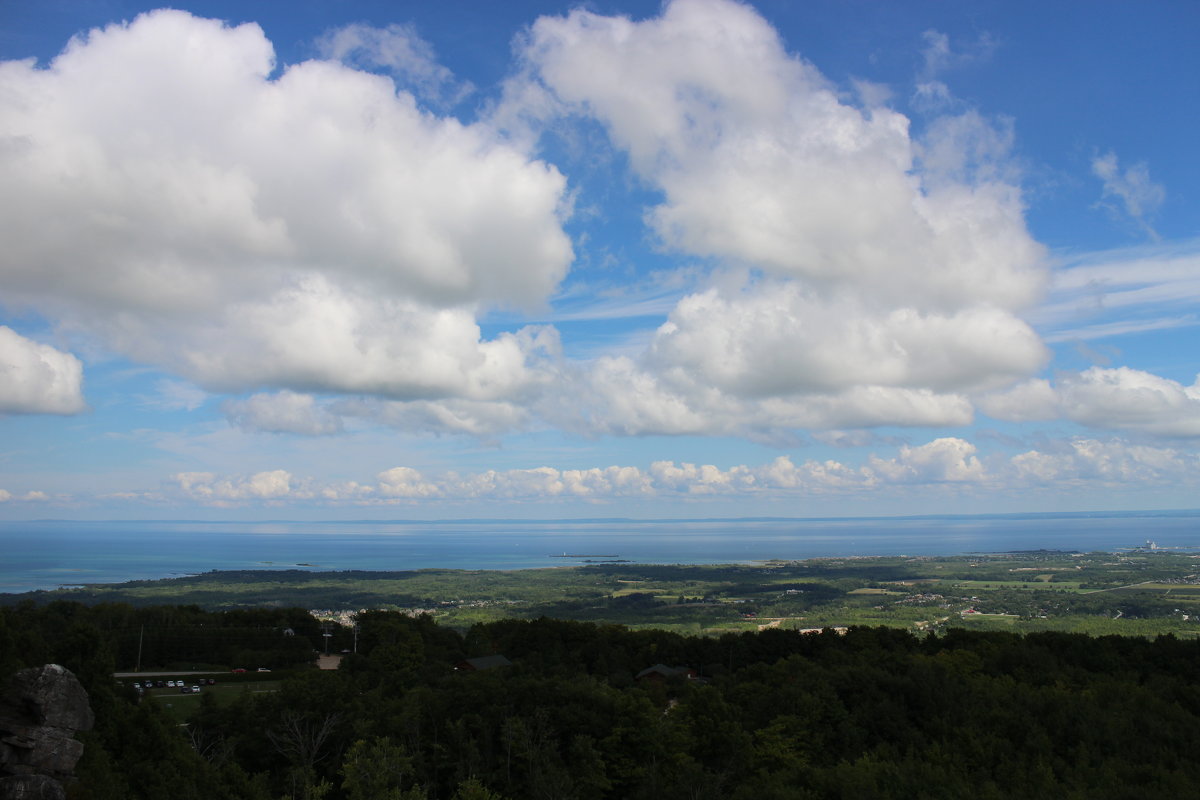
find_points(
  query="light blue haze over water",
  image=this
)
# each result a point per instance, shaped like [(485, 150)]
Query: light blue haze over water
[(50, 553)]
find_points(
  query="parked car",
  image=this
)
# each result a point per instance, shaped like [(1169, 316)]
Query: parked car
[(184, 690), (263, 669), (195, 688), (211, 681), (238, 671)]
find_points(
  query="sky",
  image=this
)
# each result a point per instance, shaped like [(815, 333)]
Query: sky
[(410, 260)]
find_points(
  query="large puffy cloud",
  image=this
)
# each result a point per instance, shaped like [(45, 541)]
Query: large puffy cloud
[(762, 162), (1121, 398), (282, 412), (622, 397), (778, 339), (883, 264), (37, 378), (1032, 400), (405, 482), (319, 336), (948, 459), (1110, 463), (311, 230), (514, 368), (1134, 400)]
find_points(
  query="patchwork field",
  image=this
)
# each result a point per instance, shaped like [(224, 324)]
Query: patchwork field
[(1142, 593)]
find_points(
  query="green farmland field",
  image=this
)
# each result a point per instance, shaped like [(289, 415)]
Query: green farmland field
[(1142, 593)]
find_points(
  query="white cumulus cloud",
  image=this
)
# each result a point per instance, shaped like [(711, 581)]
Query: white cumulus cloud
[(311, 231), (210, 488), (1107, 463), (405, 482), (948, 459), (1119, 398), (36, 378), (945, 464), (282, 412), (876, 265)]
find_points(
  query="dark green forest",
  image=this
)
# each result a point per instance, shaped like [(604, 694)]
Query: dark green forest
[(872, 713)]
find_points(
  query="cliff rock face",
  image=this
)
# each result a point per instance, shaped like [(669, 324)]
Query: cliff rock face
[(40, 711)]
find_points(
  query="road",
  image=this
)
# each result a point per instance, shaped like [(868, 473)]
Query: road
[(158, 674)]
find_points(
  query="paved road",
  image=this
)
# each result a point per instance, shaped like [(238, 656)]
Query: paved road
[(165, 674)]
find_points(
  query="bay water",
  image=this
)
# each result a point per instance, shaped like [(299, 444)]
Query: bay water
[(47, 554)]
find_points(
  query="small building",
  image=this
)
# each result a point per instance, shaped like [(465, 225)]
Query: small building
[(661, 672), (482, 663)]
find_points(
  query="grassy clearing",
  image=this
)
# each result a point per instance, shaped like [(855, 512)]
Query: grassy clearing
[(1172, 588), (1066, 586), (181, 706), (1134, 593), (642, 589), (985, 622)]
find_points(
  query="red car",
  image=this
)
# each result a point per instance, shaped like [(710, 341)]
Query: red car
[(238, 670)]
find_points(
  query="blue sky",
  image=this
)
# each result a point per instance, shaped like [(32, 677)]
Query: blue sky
[(415, 260)]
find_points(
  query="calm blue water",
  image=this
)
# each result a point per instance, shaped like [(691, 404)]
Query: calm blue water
[(47, 554)]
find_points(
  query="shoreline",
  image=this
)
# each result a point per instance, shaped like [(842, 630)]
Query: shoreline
[(318, 572), (52, 556)]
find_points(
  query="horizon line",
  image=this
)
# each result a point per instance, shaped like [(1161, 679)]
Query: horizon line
[(548, 520)]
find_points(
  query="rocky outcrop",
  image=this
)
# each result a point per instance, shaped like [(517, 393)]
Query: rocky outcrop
[(40, 711)]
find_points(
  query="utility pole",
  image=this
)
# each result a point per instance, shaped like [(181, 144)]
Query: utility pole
[(141, 635)]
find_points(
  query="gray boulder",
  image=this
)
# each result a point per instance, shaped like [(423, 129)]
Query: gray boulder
[(31, 787), (41, 708)]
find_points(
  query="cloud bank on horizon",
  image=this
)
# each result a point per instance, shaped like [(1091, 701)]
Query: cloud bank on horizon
[(347, 278)]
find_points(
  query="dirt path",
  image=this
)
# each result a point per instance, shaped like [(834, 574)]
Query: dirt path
[(775, 622), (1118, 588)]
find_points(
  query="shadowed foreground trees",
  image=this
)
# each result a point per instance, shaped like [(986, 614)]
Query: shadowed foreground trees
[(875, 713)]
